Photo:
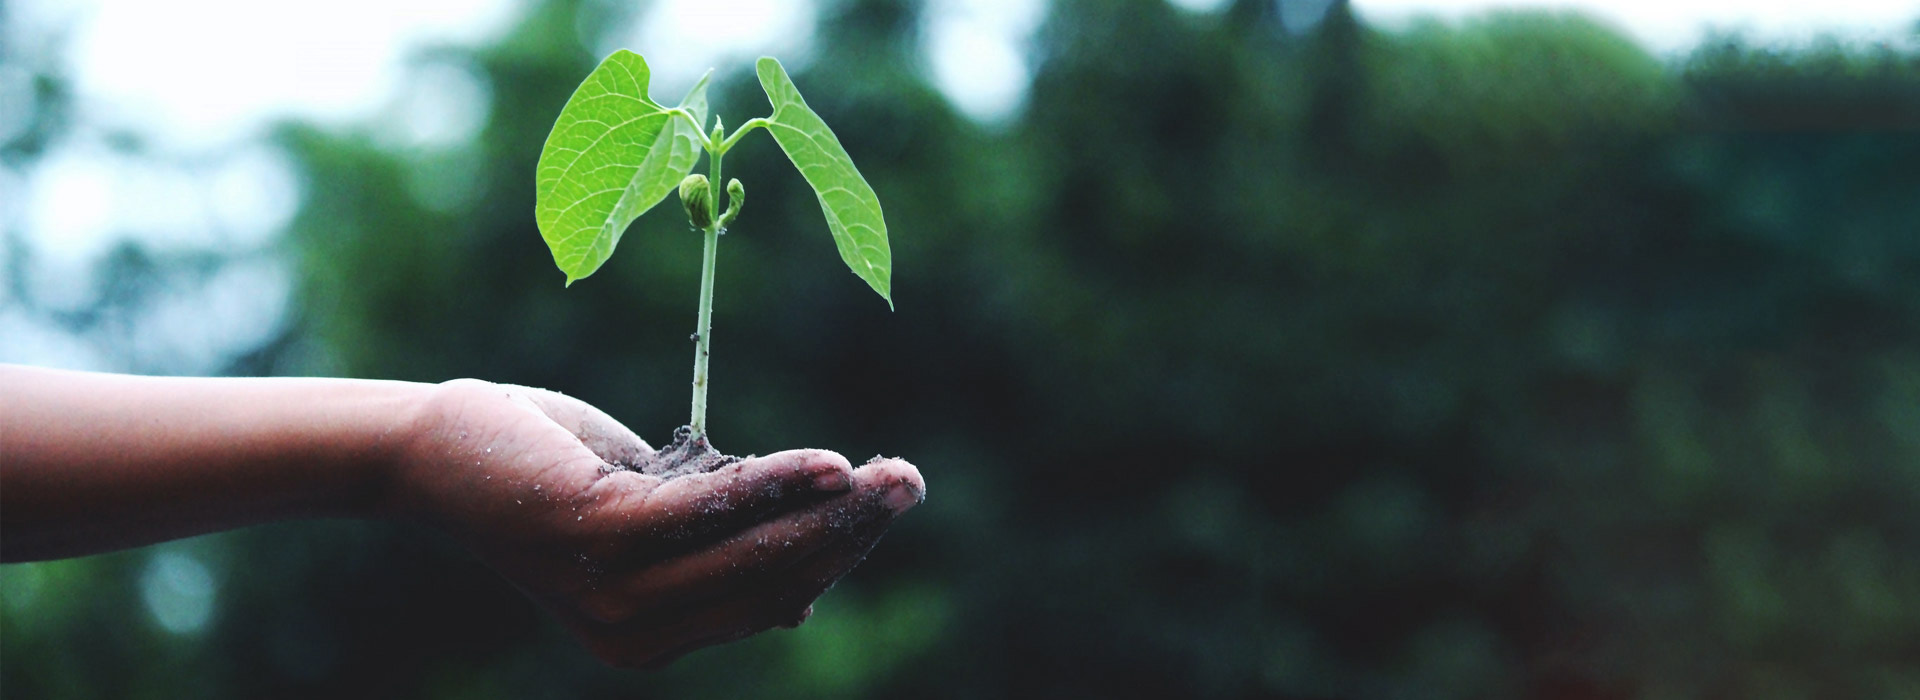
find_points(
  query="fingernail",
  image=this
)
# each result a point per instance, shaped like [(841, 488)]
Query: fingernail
[(901, 497), (834, 480)]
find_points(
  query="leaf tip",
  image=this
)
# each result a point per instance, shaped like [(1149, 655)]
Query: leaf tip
[(700, 86), (769, 71)]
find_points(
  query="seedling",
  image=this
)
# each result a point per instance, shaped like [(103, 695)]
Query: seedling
[(614, 153)]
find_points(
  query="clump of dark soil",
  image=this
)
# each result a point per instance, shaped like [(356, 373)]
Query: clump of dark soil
[(684, 456)]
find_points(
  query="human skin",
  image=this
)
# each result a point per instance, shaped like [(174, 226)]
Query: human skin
[(641, 570)]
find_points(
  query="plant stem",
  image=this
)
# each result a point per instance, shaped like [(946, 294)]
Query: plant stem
[(754, 123), (688, 116), (703, 333)]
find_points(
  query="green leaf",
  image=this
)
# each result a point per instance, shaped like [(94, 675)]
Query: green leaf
[(852, 210), (612, 155)]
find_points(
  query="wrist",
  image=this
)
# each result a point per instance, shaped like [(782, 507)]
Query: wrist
[(387, 419), (425, 438)]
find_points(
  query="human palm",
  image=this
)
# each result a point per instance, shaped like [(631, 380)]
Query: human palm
[(642, 569)]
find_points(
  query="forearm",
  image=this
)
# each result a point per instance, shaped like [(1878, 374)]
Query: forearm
[(93, 462)]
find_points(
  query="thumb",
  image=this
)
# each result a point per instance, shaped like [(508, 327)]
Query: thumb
[(599, 432)]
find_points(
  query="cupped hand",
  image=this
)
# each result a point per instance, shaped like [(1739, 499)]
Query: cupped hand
[(642, 570)]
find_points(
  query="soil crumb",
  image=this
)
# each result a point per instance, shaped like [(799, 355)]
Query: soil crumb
[(684, 456)]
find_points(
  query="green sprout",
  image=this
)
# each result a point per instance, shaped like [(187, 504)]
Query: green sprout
[(614, 153)]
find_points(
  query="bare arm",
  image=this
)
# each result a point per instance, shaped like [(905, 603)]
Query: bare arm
[(641, 569), (95, 462)]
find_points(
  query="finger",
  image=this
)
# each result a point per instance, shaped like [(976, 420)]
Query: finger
[(699, 508), (598, 431), (889, 485), (748, 558), (884, 489), (671, 591), (904, 486), (892, 493), (764, 552), (782, 600)]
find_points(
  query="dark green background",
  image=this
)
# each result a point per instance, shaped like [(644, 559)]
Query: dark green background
[(1500, 359)]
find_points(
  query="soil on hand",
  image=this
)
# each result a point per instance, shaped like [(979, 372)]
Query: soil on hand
[(685, 455)]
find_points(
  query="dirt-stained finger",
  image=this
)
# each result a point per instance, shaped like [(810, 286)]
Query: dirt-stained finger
[(796, 587), (781, 599), (760, 555), (763, 575), (887, 489), (700, 508)]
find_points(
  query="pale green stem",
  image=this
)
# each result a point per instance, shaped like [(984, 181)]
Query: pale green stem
[(754, 123), (703, 334), (697, 133)]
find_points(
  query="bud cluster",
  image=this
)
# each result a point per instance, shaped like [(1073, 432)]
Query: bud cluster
[(697, 198)]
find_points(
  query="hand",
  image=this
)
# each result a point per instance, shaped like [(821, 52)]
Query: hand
[(642, 570)]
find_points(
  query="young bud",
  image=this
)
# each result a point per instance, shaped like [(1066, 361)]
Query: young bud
[(697, 198), (736, 196)]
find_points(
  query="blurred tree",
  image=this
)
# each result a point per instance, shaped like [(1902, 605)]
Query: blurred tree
[(1488, 359)]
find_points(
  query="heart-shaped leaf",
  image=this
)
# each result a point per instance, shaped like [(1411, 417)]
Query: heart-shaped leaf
[(852, 209), (613, 154)]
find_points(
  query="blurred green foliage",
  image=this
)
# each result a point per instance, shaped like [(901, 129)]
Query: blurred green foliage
[(1495, 359)]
